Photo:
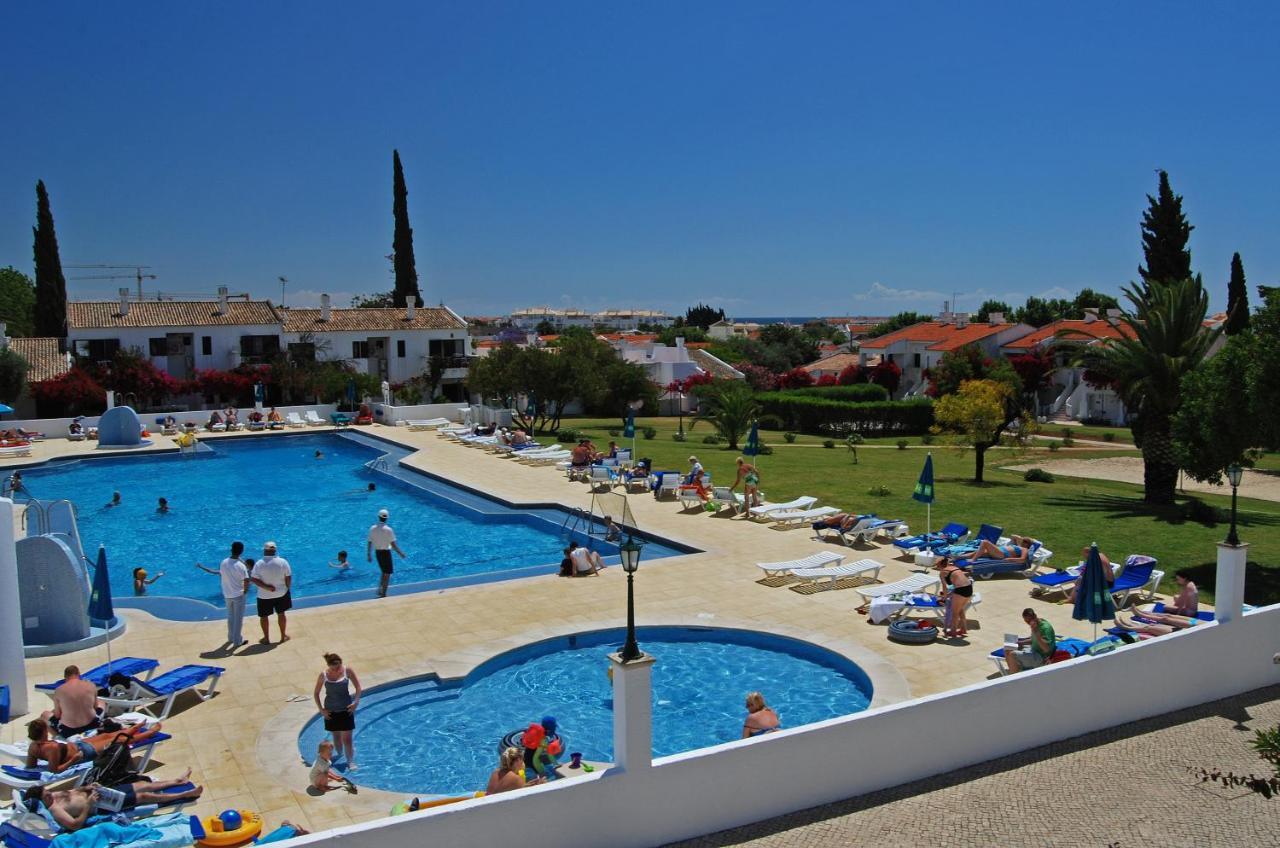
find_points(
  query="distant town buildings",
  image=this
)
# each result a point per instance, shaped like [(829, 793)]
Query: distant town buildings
[(619, 319)]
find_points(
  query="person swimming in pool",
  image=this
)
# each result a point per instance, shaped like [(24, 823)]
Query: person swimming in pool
[(162, 505), (341, 565), (140, 581), (760, 717), (115, 500)]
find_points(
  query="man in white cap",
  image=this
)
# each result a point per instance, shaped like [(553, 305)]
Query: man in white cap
[(382, 540), (274, 580)]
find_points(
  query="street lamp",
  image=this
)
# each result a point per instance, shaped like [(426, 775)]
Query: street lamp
[(680, 410), (630, 552), (1234, 474)]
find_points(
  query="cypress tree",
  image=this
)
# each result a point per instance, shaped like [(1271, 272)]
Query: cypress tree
[(51, 285), (1237, 299), (402, 243), (1165, 233)]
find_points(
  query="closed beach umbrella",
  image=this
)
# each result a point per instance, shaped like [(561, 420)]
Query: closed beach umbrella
[(752, 447), (629, 431), (1093, 593), (100, 607), (531, 408), (924, 492)]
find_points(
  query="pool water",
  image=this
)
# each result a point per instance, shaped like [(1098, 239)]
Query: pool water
[(274, 488), (426, 737)]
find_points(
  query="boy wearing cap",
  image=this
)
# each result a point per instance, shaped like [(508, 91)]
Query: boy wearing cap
[(274, 580), (382, 540)]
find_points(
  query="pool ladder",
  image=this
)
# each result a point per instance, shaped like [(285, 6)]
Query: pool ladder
[(379, 464)]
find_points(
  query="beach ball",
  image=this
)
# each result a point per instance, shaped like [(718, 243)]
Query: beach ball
[(230, 819)]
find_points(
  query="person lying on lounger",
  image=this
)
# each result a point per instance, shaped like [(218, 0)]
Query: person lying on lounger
[(842, 521), (1154, 623), (63, 755), (71, 808), (1015, 551)]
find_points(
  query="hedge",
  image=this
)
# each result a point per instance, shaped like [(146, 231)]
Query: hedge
[(804, 413), (856, 393)]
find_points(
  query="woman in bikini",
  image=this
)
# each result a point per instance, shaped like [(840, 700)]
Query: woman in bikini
[(959, 590), (1016, 549), (63, 755), (760, 717)]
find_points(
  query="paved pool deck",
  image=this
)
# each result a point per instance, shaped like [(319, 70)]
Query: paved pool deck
[(242, 744)]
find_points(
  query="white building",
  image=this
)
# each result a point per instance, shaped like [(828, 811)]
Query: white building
[(631, 319), (179, 336), (667, 364), (391, 344), (529, 319)]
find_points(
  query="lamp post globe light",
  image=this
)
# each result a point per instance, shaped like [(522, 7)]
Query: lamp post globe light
[(630, 553), (1234, 474)]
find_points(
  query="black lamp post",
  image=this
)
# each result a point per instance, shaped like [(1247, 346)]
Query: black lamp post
[(680, 410), (630, 552), (1234, 474)]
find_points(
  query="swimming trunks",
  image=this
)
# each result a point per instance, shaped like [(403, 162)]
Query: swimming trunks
[(64, 730), (87, 751), (751, 479)]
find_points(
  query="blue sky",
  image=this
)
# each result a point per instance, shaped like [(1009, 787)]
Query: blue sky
[(814, 158)]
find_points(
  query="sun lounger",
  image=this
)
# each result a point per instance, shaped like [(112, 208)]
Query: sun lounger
[(534, 450), (1202, 615), (839, 572), (905, 586), (852, 534), (428, 423), (146, 696), (340, 419), (1139, 577), (18, 778), (293, 419), (15, 450), (722, 496), (99, 675), (801, 516), (951, 534), (170, 829), (818, 560), (601, 478), (668, 486), (766, 510), (932, 607), (545, 457), (986, 568), (312, 418), (1072, 647)]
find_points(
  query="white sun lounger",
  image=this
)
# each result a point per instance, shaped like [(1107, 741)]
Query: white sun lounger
[(905, 586), (669, 486), (16, 450), (601, 478), (849, 569), (929, 607), (314, 420), (548, 458), (818, 560), (800, 516), (766, 510), (857, 531), (428, 423), (293, 419), (533, 451)]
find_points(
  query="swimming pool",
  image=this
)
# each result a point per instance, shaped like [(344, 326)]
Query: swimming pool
[(426, 736), (259, 488)]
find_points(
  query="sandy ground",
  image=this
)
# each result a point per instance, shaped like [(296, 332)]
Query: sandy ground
[(1128, 469)]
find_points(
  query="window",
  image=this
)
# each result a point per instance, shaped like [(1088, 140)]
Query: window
[(302, 352), (916, 360), (400, 348), (259, 348), (360, 350), (158, 347), (445, 347), (96, 350), (206, 345)]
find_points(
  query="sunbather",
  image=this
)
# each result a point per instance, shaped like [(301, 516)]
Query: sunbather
[(1015, 551), (275, 421), (1187, 601), (1034, 650), (61, 756), (1107, 571), (1154, 623), (71, 808), (842, 521)]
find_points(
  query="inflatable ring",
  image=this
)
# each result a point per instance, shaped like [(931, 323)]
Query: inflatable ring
[(912, 632), (217, 835), (514, 740)]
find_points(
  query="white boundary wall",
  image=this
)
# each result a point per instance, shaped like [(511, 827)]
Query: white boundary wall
[(56, 428), (745, 781), (420, 412)]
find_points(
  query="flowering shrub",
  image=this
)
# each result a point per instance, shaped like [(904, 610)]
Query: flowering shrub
[(75, 391), (796, 378), (850, 375), (886, 374)]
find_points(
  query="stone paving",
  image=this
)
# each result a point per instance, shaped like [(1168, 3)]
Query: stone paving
[(1126, 787)]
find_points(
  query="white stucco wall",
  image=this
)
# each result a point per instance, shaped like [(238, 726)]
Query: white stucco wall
[(224, 341), (399, 369)]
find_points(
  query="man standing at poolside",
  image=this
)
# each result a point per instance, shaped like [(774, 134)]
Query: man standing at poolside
[(274, 580), (235, 584), (382, 540)]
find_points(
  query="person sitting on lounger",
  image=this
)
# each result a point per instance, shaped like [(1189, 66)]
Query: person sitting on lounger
[(76, 708), (71, 808), (231, 417), (1107, 571), (760, 717), (61, 756), (585, 562), (275, 421), (215, 420), (1187, 601), (255, 417), (582, 455), (1035, 650), (75, 428)]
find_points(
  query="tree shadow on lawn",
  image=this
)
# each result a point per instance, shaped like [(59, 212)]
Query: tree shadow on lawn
[(1191, 510)]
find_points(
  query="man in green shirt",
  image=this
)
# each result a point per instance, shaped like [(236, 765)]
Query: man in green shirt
[(1039, 646)]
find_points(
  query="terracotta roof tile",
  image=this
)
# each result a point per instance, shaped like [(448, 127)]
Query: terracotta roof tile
[(1073, 330), (837, 363), (937, 335), (359, 320), (42, 355), (92, 315)]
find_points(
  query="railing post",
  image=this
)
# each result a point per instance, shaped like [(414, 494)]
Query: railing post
[(632, 712)]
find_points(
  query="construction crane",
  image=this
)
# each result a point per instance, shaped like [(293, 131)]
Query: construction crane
[(136, 275)]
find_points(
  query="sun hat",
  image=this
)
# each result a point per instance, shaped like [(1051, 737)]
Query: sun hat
[(382, 513), (693, 459)]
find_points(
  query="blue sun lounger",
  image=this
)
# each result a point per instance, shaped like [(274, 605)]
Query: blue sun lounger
[(145, 695), (18, 778), (1202, 615), (98, 676), (170, 827), (987, 532), (1139, 576), (1074, 647), (951, 534), (985, 568)]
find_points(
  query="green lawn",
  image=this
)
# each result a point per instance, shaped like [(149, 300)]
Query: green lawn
[(1100, 434), (1066, 514)]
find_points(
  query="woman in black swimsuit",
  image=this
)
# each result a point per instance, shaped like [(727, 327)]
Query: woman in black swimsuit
[(959, 589)]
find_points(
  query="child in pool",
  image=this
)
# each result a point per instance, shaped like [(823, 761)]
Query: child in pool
[(341, 564), (140, 581)]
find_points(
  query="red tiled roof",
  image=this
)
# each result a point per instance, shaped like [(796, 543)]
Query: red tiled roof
[(92, 315), (42, 355), (697, 345), (359, 320), (1072, 330), (938, 335), (836, 363)]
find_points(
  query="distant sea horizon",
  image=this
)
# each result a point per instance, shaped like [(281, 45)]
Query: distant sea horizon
[(774, 319)]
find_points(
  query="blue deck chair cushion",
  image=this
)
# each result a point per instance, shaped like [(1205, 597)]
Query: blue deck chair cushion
[(99, 675), (16, 837), (183, 677), (1202, 615)]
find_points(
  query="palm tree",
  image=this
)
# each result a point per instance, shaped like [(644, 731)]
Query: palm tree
[(1169, 341), (729, 406)]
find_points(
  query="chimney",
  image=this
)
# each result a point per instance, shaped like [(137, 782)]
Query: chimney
[(995, 318), (680, 342), (124, 302), (1113, 315), (962, 320), (325, 312), (222, 300), (1090, 314), (410, 309)]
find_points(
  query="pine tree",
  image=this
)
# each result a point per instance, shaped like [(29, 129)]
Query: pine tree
[(402, 242), (1237, 299), (1165, 233), (51, 285)]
